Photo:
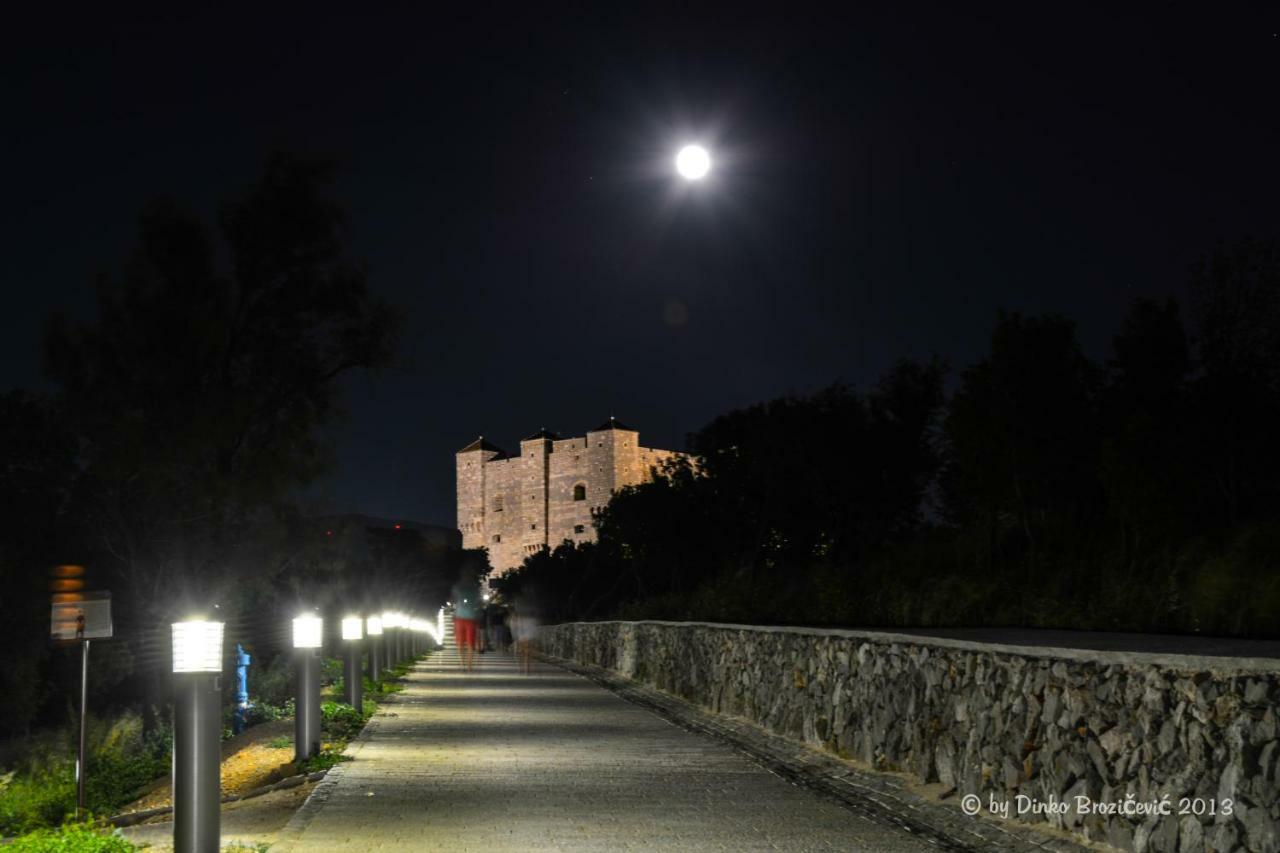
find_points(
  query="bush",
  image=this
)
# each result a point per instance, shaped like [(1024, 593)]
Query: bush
[(73, 838), (42, 791), (34, 801), (322, 761), (272, 684), (331, 670), (340, 721), (261, 712)]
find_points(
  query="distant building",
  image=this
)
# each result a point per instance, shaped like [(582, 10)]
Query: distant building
[(518, 505)]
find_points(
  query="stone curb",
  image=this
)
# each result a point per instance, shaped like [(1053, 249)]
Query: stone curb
[(132, 818), (880, 798)]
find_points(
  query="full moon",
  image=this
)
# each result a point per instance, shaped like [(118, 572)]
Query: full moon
[(693, 162)]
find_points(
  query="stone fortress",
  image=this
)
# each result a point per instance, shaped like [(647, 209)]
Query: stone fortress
[(518, 505)]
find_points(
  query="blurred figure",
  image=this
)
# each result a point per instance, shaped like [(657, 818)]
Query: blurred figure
[(468, 609), (524, 623)]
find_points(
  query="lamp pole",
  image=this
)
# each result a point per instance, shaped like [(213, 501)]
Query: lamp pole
[(197, 729), (352, 633), (373, 627), (308, 634)]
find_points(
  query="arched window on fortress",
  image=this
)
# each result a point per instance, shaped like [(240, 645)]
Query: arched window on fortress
[(580, 492)]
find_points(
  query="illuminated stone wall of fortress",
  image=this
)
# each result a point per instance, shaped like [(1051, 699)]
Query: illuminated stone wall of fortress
[(515, 505)]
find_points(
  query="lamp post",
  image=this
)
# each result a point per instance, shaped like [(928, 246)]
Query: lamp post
[(308, 637), (391, 625), (373, 627), (352, 634), (197, 729)]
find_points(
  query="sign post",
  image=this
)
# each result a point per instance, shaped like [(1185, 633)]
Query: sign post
[(81, 616)]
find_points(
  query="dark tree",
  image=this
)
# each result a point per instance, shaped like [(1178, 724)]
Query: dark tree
[(37, 476), (1023, 441), (1149, 462), (1237, 312), (199, 391)]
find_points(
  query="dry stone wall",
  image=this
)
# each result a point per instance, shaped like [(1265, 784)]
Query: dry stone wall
[(1092, 742)]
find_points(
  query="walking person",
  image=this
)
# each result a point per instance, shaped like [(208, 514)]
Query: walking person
[(524, 630), (467, 611)]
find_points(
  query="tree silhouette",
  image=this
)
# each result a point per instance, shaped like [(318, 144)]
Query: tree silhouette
[(199, 390)]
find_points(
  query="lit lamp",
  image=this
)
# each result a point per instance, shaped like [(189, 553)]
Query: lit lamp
[(197, 730), (352, 634), (373, 627), (412, 628), (308, 637), (391, 624)]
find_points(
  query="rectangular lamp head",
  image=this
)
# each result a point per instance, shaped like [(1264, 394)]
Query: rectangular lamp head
[(308, 632), (373, 626), (351, 628), (197, 646)]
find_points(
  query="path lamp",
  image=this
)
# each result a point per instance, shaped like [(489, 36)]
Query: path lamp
[(197, 730), (373, 627), (415, 636), (308, 637), (352, 634), (395, 642), (389, 643), (402, 637)]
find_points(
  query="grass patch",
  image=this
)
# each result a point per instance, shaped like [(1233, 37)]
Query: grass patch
[(73, 838), (323, 760)]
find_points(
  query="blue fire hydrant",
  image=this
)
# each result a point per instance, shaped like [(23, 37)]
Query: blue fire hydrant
[(242, 688)]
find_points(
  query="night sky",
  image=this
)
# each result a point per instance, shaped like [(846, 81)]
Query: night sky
[(883, 185)]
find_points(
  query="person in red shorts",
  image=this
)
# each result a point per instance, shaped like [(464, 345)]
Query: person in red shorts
[(466, 618)]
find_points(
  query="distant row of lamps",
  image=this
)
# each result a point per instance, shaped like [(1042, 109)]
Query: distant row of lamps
[(197, 727)]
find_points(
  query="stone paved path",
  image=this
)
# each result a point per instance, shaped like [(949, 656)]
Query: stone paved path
[(498, 761)]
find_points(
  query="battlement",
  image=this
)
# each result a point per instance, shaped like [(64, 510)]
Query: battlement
[(516, 505)]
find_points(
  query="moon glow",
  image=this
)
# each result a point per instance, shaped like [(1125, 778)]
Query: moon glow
[(693, 162)]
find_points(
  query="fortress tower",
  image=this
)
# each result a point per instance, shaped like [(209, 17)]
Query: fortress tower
[(518, 505)]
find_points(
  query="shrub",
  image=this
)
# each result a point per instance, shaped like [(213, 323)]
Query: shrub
[(261, 712), (122, 759), (340, 721), (33, 801), (331, 670), (322, 761), (272, 684), (73, 838)]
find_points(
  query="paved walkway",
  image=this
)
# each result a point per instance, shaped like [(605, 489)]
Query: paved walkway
[(498, 761)]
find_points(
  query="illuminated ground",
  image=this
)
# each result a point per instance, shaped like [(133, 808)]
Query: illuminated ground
[(498, 761)]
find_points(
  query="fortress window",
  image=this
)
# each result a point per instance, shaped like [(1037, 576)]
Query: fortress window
[(497, 537), (533, 527), (497, 504), (578, 528), (580, 492)]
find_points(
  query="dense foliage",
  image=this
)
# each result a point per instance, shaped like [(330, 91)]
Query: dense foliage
[(41, 790), (1142, 493), (73, 838)]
